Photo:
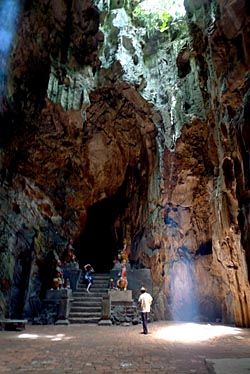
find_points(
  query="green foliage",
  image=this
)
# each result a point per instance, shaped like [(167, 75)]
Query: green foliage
[(164, 18), (152, 20), (156, 17)]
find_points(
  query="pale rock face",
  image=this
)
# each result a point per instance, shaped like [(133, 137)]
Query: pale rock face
[(107, 132)]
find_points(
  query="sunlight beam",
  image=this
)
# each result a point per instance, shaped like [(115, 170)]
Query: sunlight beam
[(8, 13)]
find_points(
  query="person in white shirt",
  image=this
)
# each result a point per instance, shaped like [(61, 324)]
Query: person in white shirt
[(145, 301)]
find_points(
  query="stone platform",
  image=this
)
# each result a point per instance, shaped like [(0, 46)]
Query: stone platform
[(123, 307), (228, 365), (13, 324), (117, 296), (136, 279)]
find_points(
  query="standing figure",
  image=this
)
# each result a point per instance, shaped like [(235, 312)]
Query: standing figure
[(123, 270), (111, 284), (124, 254), (122, 282), (88, 270), (126, 248), (69, 255), (145, 301), (58, 280)]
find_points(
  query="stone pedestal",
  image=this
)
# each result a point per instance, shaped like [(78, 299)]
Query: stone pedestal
[(106, 312), (13, 324), (62, 299), (72, 272), (120, 296), (123, 309)]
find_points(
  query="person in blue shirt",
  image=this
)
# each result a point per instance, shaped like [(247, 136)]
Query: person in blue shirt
[(88, 271)]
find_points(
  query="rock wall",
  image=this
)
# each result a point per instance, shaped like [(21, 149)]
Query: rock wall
[(205, 182), (108, 132)]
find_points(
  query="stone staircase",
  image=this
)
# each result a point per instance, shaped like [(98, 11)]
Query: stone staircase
[(87, 307)]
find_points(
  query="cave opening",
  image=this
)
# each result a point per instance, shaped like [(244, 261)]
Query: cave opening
[(111, 220), (101, 239)]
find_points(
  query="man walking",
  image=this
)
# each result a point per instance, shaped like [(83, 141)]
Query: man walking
[(145, 301)]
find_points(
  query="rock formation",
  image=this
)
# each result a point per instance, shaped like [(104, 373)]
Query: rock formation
[(109, 132)]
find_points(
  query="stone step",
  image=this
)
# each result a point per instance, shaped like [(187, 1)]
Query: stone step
[(90, 295), (95, 279), (93, 288), (85, 315), (87, 307), (95, 283), (84, 320), (87, 299), (86, 303), (83, 309), (98, 277)]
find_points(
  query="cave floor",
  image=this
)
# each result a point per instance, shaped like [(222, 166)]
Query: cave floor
[(168, 348)]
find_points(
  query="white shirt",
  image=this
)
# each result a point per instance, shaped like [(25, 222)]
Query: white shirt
[(145, 300)]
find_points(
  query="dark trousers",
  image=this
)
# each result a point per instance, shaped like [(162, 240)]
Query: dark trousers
[(144, 317)]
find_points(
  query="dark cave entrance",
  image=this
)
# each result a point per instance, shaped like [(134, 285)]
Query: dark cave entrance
[(101, 239), (111, 220)]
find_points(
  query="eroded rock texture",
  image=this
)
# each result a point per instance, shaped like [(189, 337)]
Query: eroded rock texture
[(152, 147)]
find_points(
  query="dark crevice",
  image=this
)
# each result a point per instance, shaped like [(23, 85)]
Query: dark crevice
[(205, 249)]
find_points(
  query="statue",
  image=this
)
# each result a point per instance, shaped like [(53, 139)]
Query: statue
[(112, 284), (125, 252), (58, 280), (69, 256), (122, 282)]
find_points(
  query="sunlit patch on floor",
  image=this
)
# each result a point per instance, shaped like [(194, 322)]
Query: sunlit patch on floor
[(193, 332), (28, 336), (54, 338)]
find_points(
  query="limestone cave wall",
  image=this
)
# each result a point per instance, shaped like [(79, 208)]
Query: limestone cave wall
[(108, 132), (205, 184)]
